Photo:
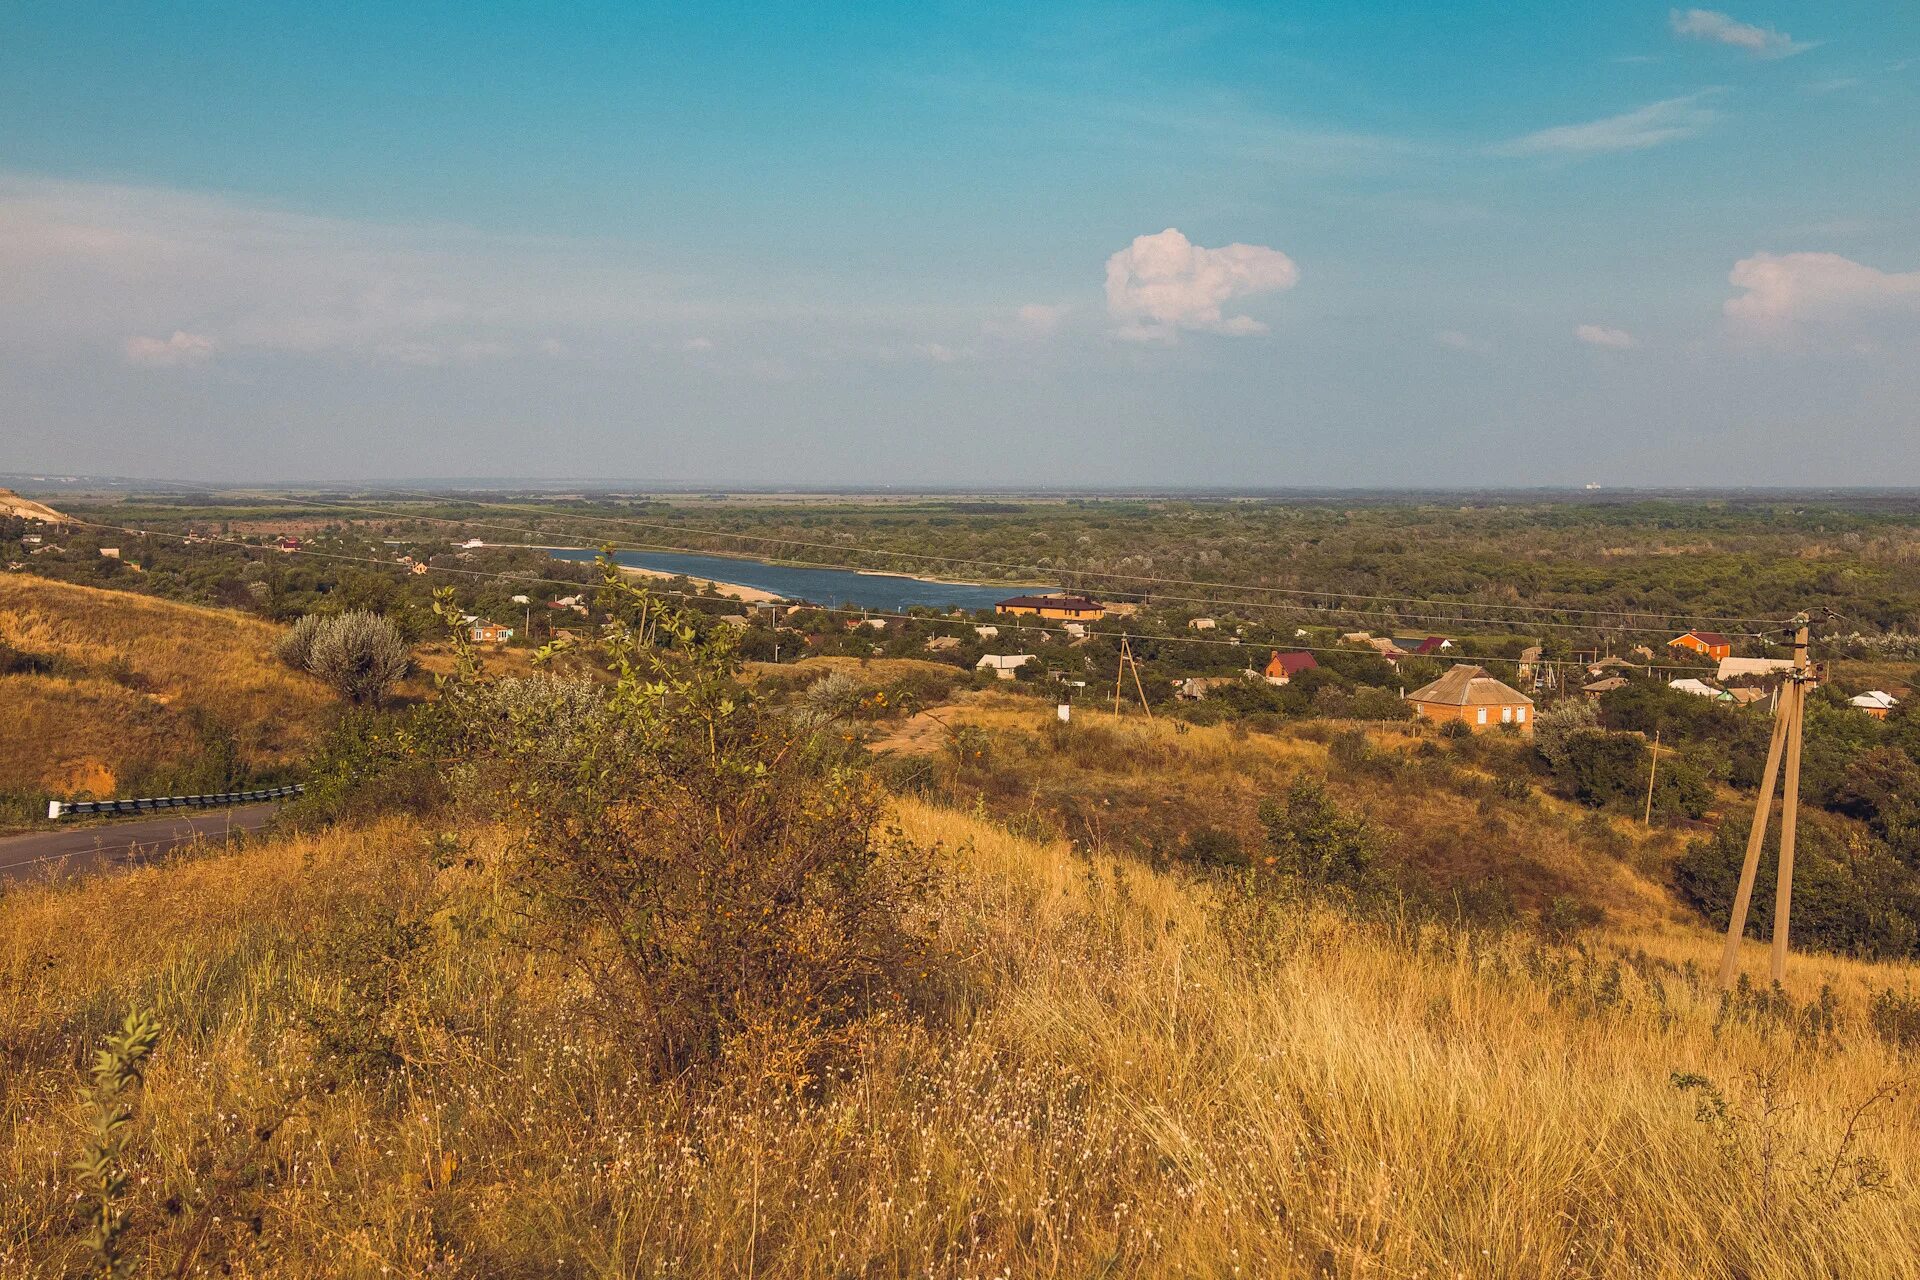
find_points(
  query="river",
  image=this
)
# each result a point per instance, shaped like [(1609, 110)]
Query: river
[(891, 592)]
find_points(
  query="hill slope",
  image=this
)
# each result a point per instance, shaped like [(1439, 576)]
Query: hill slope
[(1138, 1080), (109, 687)]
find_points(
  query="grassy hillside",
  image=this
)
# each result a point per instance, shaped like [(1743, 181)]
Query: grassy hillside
[(109, 689), (1140, 1077)]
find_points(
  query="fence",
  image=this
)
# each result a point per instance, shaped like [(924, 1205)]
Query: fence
[(57, 809)]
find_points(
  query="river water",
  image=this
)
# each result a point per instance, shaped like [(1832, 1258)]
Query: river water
[(886, 591)]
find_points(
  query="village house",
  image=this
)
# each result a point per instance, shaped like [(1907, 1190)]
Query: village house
[(485, 632), (940, 644), (1604, 685), (1609, 663), (1876, 703), (111, 553), (1003, 665), (1699, 689), (1469, 695), (1075, 629), (986, 632), (286, 546), (1732, 668), (1386, 648), (1195, 688), (1709, 644), (1529, 660), (1422, 646), (1055, 608), (1201, 624), (1283, 667)]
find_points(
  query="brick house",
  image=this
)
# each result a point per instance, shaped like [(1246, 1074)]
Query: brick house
[(1474, 698), (1057, 608), (1282, 667), (1708, 643)]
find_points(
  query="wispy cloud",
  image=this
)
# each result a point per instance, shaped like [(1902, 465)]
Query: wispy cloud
[(1454, 340), (1668, 120), (1162, 284), (1783, 289), (166, 353), (1599, 335), (1720, 28)]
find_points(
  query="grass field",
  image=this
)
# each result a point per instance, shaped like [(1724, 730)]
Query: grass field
[(1138, 1078), (137, 686)]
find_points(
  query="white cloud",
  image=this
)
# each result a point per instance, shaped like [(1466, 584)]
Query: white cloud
[(940, 353), (1040, 318), (1161, 284), (1709, 24), (1785, 288), (694, 345), (1599, 335), (165, 353), (1458, 341), (1669, 120)]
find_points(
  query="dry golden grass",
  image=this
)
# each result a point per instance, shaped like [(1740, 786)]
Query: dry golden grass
[(1137, 1083), (142, 670)]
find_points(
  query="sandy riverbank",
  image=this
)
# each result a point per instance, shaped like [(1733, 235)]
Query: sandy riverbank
[(746, 595)]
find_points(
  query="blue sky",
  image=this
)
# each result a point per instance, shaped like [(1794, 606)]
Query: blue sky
[(1326, 244)]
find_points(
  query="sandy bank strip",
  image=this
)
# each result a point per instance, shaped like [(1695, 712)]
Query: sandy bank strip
[(747, 595)]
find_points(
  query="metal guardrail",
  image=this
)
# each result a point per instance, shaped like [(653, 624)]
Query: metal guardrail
[(57, 809)]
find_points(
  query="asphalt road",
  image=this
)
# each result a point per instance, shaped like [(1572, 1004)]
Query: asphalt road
[(51, 854)]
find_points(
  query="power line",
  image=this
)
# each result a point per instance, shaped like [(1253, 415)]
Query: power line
[(1523, 625), (1029, 568), (520, 578)]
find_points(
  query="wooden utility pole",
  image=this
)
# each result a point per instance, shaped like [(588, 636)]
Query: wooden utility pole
[(1128, 660), (1653, 771), (1788, 726)]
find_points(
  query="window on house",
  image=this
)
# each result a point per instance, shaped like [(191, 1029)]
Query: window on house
[(1506, 715), (1483, 715), (1520, 716)]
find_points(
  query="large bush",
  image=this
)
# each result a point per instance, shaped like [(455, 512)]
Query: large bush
[(361, 655)]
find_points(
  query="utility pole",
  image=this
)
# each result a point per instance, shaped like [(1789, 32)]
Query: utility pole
[(1788, 726), (1120, 674), (1653, 771)]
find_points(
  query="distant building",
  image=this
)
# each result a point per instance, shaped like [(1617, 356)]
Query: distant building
[(1386, 648), (1056, 608), (1699, 689), (1283, 667), (940, 644), (1604, 685), (1529, 660), (1710, 644), (1731, 668), (986, 632), (1075, 629), (1609, 663), (287, 545), (485, 632), (111, 553), (1194, 688), (1201, 624), (1003, 665), (1876, 703), (1469, 695), (1422, 646)]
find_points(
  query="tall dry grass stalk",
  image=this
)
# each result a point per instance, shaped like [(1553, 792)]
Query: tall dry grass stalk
[(1142, 1079)]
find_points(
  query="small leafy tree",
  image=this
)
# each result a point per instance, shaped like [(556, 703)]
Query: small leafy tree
[(1309, 835), (718, 876)]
